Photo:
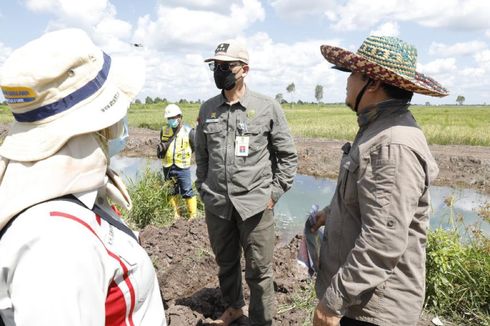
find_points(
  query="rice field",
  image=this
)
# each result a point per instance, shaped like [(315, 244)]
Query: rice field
[(458, 125)]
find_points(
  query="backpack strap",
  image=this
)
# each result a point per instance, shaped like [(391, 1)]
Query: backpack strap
[(114, 221), (106, 216)]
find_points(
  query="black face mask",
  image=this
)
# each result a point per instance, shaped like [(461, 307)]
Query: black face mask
[(224, 79)]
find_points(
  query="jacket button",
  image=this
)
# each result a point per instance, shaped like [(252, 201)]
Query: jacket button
[(390, 224)]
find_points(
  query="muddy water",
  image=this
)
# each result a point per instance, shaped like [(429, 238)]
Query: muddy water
[(293, 207)]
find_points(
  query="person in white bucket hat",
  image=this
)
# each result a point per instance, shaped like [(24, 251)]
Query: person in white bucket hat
[(67, 258)]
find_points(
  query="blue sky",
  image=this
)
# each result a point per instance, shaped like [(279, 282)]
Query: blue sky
[(283, 38)]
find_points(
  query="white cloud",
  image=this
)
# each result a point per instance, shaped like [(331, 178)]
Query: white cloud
[(84, 12), (473, 72), (386, 29), (483, 59), (4, 53), (178, 34), (457, 49), (452, 14), (443, 70), (294, 9), (180, 28), (219, 6), (275, 65), (438, 66), (97, 17), (272, 67)]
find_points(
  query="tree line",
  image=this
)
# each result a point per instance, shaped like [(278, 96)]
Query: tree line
[(291, 88)]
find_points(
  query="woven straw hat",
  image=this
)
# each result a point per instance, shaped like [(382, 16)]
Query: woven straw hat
[(388, 59), (62, 85)]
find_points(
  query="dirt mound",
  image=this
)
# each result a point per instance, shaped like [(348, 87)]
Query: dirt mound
[(187, 274)]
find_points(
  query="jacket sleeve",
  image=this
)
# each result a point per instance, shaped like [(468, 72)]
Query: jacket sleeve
[(284, 152), (201, 152), (388, 195), (192, 136)]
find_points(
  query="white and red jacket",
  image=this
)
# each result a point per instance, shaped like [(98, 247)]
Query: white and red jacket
[(62, 265)]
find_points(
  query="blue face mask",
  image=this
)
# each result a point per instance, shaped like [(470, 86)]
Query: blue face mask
[(116, 145), (173, 123)]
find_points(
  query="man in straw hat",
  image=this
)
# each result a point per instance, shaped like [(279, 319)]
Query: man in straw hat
[(246, 160), (66, 257), (372, 259)]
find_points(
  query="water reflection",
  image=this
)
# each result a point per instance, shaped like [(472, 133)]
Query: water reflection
[(294, 205)]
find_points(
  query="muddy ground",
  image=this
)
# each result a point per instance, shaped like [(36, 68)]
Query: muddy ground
[(187, 274), (185, 265)]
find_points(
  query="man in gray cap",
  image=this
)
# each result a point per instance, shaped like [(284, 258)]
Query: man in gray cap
[(246, 160)]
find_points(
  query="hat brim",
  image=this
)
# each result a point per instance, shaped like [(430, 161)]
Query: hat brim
[(225, 58), (28, 142), (345, 60)]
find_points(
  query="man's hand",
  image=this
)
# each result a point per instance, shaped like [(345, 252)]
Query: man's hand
[(270, 204), (324, 318), (162, 149), (321, 217)]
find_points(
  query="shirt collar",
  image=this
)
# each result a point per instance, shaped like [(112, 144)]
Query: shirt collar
[(378, 109), (244, 100), (88, 198)]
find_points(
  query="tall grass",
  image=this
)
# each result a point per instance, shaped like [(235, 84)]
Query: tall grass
[(458, 271), (150, 196), (5, 115), (151, 201)]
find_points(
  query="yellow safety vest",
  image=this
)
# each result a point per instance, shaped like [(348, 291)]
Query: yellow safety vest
[(179, 150)]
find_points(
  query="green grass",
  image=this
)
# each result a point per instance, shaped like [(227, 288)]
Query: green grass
[(150, 197), (304, 299), (458, 277), (151, 205), (458, 125), (5, 115), (151, 115)]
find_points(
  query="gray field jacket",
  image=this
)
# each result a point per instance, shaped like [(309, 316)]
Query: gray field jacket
[(372, 260), (225, 180)]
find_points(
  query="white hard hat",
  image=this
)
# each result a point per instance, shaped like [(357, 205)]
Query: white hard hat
[(172, 110)]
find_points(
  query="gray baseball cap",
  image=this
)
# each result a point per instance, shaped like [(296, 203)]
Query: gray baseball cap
[(230, 51)]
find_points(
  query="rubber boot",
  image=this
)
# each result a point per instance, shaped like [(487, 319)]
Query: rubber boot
[(175, 205), (191, 207)]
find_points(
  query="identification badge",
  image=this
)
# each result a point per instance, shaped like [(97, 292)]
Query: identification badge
[(241, 145)]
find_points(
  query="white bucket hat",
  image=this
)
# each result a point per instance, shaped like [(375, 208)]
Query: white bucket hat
[(61, 85)]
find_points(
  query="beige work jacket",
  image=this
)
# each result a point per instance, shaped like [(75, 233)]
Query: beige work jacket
[(372, 260)]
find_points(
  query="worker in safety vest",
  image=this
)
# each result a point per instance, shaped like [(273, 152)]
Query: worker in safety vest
[(175, 150)]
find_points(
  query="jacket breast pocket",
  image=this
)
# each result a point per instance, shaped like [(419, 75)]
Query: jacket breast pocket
[(349, 172), (214, 133), (257, 139)]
